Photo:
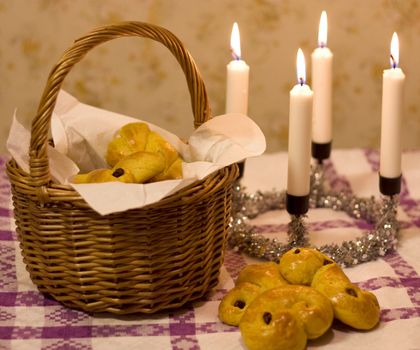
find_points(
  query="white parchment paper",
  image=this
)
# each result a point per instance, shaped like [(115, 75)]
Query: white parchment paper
[(81, 134)]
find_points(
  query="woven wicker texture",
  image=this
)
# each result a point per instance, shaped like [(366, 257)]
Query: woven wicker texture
[(139, 261)]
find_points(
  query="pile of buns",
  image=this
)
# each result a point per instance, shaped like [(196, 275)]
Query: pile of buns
[(282, 305), (137, 155)]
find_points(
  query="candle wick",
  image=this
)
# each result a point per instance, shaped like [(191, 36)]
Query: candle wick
[(394, 63), (301, 81), (234, 55), (322, 45)]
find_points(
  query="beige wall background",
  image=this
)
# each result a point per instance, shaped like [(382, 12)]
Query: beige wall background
[(140, 78)]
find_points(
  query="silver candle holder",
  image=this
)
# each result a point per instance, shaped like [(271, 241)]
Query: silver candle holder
[(382, 214)]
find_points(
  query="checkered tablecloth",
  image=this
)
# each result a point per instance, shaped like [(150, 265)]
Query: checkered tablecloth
[(28, 320)]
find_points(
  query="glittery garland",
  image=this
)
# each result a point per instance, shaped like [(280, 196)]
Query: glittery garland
[(369, 246)]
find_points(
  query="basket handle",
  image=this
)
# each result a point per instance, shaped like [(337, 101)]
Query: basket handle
[(38, 157)]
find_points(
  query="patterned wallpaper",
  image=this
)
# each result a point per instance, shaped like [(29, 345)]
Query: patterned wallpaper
[(140, 78)]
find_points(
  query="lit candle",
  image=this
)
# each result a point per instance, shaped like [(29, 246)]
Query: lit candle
[(300, 125), (392, 105), (322, 62), (237, 77)]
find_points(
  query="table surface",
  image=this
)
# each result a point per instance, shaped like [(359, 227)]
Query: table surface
[(29, 320)]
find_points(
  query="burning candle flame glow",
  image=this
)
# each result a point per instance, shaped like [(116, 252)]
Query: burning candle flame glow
[(235, 42), (301, 68), (395, 51), (323, 30)]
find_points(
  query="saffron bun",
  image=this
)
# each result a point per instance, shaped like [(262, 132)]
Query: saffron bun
[(103, 175), (353, 306), (236, 301), (129, 139), (137, 137), (142, 165), (272, 329), (299, 265), (285, 317), (266, 275), (137, 155)]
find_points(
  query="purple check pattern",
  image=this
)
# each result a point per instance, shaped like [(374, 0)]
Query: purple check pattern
[(27, 315)]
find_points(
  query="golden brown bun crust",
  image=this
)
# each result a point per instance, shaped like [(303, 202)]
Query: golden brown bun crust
[(103, 175), (142, 165), (236, 301), (266, 328), (352, 306), (266, 275), (136, 139), (298, 265), (312, 309), (285, 317), (129, 139)]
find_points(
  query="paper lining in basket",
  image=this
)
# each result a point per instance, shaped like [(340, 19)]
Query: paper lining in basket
[(81, 134)]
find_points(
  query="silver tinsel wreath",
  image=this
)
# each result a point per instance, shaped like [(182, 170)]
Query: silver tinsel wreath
[(369, 246)]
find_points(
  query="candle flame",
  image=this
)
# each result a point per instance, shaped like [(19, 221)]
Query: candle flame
[(301, 69), (395, 51), (323, 30), (235, 42)]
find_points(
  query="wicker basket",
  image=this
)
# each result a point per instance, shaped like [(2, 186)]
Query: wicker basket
[(139, 261)]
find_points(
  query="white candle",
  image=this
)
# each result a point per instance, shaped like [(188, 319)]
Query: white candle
[(322, 63), (237, 77), (300, 125), (392, 105)]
